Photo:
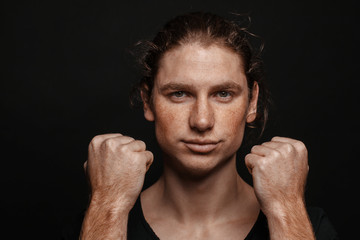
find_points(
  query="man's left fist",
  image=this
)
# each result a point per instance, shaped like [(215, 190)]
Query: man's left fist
[(279, 169)]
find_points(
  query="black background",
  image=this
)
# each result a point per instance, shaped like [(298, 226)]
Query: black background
[(67, 73)]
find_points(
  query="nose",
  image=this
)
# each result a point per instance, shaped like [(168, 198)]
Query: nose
[(201, 116)]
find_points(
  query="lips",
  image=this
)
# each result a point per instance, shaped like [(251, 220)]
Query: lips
[(201, 146)]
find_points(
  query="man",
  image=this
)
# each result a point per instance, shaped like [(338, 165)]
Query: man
[(202, 86)]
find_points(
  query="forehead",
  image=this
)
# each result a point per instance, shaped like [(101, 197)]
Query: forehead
[(197, 64)]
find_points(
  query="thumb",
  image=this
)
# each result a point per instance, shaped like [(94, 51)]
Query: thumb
[(150, 159), (85, 167), (250, 162)]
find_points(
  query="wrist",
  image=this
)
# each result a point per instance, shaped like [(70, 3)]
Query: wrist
[(284, 208), (104, 221), (289, 220), (115, 206)]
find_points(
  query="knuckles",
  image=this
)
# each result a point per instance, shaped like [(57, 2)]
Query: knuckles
[(116, 146), (263, 164), (254, 148), (275, 153), (291, 147), (287, 148), (109, 143), (280, 148), (300, 146), (95, 141)]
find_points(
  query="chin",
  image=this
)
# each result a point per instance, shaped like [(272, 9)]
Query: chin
[(197, 166)]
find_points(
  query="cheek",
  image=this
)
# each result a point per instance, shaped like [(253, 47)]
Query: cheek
[(166, 121), (234, 120), (233, 126)]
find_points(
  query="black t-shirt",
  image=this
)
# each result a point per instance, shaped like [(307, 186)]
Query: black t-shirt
[(139, 229)]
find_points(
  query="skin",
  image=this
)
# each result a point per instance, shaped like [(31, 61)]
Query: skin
[(116, 169), (200, 94), (200, 105)]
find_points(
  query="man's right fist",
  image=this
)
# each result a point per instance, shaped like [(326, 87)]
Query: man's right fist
[(116, 168)]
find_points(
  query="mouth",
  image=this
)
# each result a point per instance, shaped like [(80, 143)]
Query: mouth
[(201, 146)]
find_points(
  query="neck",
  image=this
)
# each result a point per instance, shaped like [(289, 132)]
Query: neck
[(206, 198)]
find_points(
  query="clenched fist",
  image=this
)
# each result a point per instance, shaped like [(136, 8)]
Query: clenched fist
[(279, 169), (116, 169)]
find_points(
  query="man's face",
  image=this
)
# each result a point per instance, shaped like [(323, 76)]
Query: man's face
[(200, 105)]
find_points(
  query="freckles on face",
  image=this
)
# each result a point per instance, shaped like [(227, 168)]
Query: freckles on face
[(200, 96), (167, 119), (232, 121)]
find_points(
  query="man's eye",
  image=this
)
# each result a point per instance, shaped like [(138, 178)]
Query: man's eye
[(223, 94), (178, 94)]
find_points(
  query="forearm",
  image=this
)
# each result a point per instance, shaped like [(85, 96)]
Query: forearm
[(104, 222), (290, 221)]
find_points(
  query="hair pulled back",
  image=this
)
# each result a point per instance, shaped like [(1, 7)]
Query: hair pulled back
[(205, 29)]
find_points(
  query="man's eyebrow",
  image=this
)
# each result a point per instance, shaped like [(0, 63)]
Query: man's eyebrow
[(228, 85), (174, 86)]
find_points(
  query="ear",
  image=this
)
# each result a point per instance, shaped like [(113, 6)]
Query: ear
[(252, 109), (148, 113)]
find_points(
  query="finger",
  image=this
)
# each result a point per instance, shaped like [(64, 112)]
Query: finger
[(262, 150), (250, 161), (149, 159), (284, 140), (136, 146), (85, 167), (299, 145), (114, 142), (272, 144), (121, 139), (287, 144), (99, 139)]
